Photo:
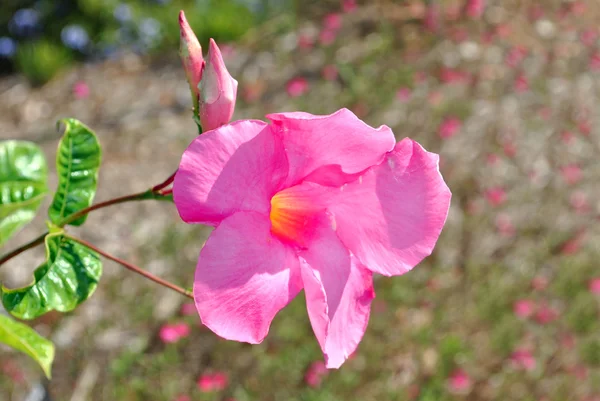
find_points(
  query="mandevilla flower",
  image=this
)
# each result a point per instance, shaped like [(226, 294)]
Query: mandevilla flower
[(214, 91), (309, 202)]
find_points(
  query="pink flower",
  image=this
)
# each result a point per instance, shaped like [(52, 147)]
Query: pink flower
[(327, 37), (521, 84), (305, 41), (459, 381), (495, 196), (504, 225), (524, 308), (403, 94), (594, 286), (449, 127), (546, 314), (332, 22), (297, 86), (307, 202), (475, 8), (81, 90), (330, 72), (348, 6), (171, 333), (188, 309), (595, 62), (315, 374), (579, 202), (451, 76), (589, 37), (571, 173), (539, 283), (212, 382), (523, 359), (432, 17)]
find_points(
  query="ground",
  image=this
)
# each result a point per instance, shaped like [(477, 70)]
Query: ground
[(505, 308)]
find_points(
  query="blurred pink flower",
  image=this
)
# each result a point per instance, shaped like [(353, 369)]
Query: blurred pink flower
[(524, 308), (188, 309), (584, 127), (523, 359), (536, 11), (459, 381), (452, 11), (594, 286), (568, 341), (495, 196), (305, 41), (449, 127), (349, 6), (492, 159), (521, 83), (545, 314), (515, 56), (330, 72), (571, 173), (451, 76), (403, 94), (578, 8), (432, 17), (539, 283), (567, 137), (578, 201), (589, 37), (332, 22), (509, 148), (504, 225), (503, 30), (315, 374), (475, 8), (297, 86), (595, 62), (579, 371), (283, 198), (183, 398), (212, 382), (327, 37), (171, 333), (81, 90), (420, 77)]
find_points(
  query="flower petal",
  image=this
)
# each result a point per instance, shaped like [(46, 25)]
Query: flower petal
[(236, 167), (338, 295), (392, 216), (338, 140), (244, 277)]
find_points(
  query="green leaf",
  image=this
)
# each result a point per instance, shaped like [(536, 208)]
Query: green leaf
[(23, 338), (68, 277), (77, 164), (23, 174)]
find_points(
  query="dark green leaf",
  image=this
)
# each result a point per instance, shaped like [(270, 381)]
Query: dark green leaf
[(23, 338), (77, 163), (23, 174), (68, 277)]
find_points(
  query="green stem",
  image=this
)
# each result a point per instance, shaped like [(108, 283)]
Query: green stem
[(134, 268)]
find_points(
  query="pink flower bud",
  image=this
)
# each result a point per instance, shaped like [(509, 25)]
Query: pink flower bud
[(218, 91), (190, 52)]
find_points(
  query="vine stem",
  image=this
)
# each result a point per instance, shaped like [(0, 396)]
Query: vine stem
[(134, 268), (153, 193)]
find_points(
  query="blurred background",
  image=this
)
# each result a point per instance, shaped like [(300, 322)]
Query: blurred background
[(507, 307)]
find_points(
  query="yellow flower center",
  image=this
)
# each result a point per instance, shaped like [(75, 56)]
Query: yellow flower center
[(292, 217)]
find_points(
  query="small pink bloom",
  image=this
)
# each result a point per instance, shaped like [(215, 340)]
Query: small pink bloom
[(315, 374), (451, 76), (504, 225), (212, 382), (459, 381), (475, 8), (578, 8), (432, 17), (524, 308), (305, 41), (449, 127), (503, 30), (327, 37), (571, 173), (188, 309), (283, 198), (81, 90), (584, 127), (580, 372), (183, 398), (495, 196), (349, 6), (539, 283), (594, 63), (403, 94), (171, 333), (568, 341), (297, 86), (589, 37), (330, 72), (510, 150), (536, 11), (492, 159), (594, 286), (579, 202), (521, 83), (567, 137), (332, 22), (546, 314), (523, 359), (453, 11)]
